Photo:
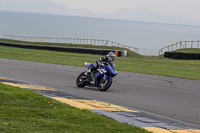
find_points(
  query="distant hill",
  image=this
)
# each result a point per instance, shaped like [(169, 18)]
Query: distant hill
[(42, 7), (144, 14), (53, 8)]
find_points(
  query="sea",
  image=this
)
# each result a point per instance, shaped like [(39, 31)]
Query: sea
[(138, 34)]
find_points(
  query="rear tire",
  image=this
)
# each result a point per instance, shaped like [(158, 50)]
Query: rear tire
[(103, 86), (80, 80)]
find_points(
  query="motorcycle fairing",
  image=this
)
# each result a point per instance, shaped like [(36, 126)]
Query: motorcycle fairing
[(111, 70), (103, 71)]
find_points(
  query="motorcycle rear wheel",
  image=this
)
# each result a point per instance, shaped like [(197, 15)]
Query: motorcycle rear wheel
[(105, 85), (80, 80)]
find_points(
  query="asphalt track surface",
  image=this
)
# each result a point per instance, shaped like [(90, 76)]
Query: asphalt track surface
[(174, 98)]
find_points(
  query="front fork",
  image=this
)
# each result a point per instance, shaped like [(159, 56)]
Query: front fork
[(104, 78)]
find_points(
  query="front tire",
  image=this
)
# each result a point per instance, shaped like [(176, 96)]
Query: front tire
[(105, 85), (80, 80)]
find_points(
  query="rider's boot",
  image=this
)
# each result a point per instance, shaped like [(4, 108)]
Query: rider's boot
[(92, 78), (91, 73)]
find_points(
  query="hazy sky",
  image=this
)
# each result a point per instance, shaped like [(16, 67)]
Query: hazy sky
[(178, 8)]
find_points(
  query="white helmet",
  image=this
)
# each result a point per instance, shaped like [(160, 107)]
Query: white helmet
[(111, 56)]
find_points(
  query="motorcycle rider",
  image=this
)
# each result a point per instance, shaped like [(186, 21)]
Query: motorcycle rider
[(110, 57)]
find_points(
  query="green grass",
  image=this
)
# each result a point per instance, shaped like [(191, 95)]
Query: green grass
[(24, 111), (189, 50), (188, 69)]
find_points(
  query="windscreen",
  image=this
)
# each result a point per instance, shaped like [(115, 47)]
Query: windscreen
[(112, 64)]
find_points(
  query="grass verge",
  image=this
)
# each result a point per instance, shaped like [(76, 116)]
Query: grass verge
[(189, 50), (26, 111)]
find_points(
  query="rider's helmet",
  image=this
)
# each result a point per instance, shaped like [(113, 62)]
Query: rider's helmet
[(111, 56)]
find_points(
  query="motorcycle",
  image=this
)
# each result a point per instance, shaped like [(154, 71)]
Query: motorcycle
[(103, 76)]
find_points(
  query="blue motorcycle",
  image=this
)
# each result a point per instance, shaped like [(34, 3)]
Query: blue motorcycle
[(103, 76)]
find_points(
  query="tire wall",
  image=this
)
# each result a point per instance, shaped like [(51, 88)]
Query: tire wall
[(182, 56), (120, 53)]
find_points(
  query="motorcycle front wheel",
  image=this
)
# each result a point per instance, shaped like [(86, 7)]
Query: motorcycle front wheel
[(105, 85), (80, 81)]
